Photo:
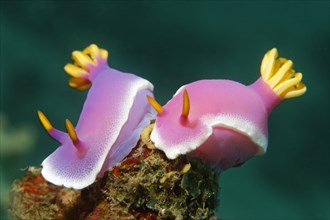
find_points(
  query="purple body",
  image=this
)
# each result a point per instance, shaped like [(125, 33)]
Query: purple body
[(222, 121), (227, 122), (109, 126)]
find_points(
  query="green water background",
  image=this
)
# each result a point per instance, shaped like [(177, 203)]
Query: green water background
[(173, 43)]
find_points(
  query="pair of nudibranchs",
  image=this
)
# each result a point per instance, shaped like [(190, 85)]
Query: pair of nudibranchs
[(221, 121)]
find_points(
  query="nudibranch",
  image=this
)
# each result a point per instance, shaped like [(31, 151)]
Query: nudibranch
[(223, 121), (113, 115)]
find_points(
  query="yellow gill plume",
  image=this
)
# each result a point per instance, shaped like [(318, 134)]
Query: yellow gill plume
[(83, 62), (279, 75)]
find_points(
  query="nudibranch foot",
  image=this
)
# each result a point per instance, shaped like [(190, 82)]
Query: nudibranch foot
[(128, 137), (222, 121), (215, 150), (113, 115)]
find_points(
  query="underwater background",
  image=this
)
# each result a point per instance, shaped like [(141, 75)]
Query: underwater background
[(174, 43)]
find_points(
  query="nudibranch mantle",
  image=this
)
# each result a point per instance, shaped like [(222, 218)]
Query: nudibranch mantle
[(113, 115), (222, 121)]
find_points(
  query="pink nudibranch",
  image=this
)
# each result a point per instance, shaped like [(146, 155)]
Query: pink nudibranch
[(222, 121), (113, 115)]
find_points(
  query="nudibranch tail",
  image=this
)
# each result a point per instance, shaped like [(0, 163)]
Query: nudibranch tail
[(54, 133), (85, 66), (155, 104), (279, 75), (186, 104)]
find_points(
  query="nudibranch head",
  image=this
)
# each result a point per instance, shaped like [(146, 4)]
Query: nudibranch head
[(113, 115), (222, 121)]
